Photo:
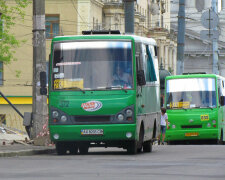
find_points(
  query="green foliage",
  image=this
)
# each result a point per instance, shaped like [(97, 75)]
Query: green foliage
[(18, 73), (8, 41)]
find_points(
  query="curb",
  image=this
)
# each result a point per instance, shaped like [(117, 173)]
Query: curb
[(28, 152)]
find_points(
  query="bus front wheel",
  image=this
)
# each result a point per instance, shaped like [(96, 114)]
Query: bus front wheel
[(132, 147), (60, 148), (73, 148), (83, 149)]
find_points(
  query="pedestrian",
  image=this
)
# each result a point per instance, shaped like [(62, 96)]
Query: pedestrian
[(163, 125)]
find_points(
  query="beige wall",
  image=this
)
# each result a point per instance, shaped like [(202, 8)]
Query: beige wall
[(68, 22), (22, 86), (13, 120), (166, 15), (88, 10), (75, 16)]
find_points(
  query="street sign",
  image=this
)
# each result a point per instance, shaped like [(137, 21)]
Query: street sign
[(209, 34), (209, 19)]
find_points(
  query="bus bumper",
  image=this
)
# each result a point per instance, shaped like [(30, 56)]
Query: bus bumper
[(97, 133), (181, 135)]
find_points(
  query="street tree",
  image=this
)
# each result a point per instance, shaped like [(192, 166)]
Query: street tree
[(9, 14)]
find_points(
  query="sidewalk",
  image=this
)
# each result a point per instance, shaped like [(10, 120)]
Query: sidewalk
[(9, 149)]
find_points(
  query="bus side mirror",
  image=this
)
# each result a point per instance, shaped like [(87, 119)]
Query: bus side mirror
[(141, 78), (222, 100), (43, 80)]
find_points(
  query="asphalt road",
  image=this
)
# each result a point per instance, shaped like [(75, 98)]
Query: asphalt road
[(165, 162)]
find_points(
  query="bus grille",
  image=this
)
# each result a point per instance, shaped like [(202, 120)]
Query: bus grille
[(92, 119), (192, 126)]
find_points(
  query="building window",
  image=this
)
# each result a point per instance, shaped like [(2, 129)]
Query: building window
[(1, 73), (52, 26)]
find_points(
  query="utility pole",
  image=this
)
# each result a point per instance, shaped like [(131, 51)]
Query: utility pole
[(129, 16), (181, 37), (215, 42), (39, 108)]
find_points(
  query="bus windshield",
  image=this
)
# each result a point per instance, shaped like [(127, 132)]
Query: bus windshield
[(92, 65), (191, 93)]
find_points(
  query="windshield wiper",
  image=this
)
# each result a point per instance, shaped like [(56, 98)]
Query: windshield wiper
[(77, 88), (112, 87), (201, 107)]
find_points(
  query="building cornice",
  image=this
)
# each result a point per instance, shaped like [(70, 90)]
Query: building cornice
[(96, 2), (195, 35)]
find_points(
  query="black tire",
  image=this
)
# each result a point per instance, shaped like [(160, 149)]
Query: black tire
[(147, 146), (73, 149), (60, 148), (220, 141), (83, 149), (132, 147), (141, 139)]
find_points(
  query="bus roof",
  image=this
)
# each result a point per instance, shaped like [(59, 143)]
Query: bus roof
[(106, 36), (194, 76)]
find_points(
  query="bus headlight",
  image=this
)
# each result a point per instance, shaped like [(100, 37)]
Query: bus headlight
[(129, 112), (56, 136), (214, 121), (55, 114), (120, 117), (63, 118), (208, 125)]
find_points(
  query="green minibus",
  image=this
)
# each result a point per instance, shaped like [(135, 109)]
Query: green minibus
[(195, 107), (103, 92)]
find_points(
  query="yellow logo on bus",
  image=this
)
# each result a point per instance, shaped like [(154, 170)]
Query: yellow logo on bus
[(185, 104), (67, 83), (204, 117)]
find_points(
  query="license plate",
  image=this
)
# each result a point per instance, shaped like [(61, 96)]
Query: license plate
[(204, 117), (91, 131), (191, 134)]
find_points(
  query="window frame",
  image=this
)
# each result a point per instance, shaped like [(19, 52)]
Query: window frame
[(51, 34)]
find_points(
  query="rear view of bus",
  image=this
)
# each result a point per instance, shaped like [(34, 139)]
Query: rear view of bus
[(193, 107)]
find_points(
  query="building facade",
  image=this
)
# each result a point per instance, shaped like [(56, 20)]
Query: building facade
[(198, 51), (71, 17)]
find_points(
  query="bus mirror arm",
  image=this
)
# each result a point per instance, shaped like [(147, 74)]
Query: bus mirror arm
[(141, 78), (43, 80)]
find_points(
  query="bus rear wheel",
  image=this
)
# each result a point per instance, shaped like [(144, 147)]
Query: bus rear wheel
[(147, 146), (220, 141), (141, 140)]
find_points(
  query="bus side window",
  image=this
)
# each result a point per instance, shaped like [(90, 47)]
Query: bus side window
[(156, 50), (150, 68), (138, 56), (219, 84), (139, 62), (222, 94)]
